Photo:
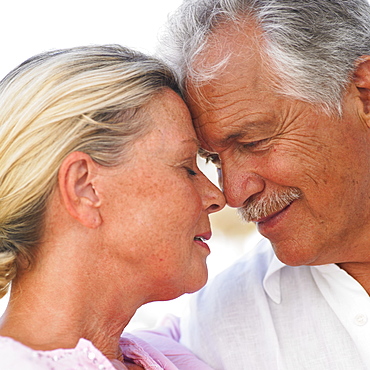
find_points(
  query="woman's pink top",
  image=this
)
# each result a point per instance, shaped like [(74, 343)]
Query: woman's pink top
[(16, 356)]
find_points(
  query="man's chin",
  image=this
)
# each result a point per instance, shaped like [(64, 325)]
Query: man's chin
[(293, 253)]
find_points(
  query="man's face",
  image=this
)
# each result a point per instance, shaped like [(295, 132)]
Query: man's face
[(307, 175)]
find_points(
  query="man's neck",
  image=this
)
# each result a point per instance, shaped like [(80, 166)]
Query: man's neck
[(359, 271)]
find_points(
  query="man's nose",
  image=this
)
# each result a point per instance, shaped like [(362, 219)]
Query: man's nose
[(239, 184)]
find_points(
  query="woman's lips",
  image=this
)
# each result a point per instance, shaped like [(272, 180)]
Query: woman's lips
[(200, 239)]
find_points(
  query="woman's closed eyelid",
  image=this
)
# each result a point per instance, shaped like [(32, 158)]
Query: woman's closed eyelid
[(191, 171)]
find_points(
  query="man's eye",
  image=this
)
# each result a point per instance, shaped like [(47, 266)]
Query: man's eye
[(258, 144)]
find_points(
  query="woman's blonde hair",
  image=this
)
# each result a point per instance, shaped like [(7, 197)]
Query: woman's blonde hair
[(79, 99)]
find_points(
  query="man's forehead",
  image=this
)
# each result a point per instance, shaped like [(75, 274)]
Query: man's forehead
[(242, 69), (234, 99), (226, 40)]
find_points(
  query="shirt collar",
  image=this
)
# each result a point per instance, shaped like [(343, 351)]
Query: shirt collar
[(271, 281)]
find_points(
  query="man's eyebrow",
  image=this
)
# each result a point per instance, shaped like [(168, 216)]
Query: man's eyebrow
[(230, 137)]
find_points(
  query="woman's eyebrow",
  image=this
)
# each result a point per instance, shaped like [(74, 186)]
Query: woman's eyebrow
[(192, 141)]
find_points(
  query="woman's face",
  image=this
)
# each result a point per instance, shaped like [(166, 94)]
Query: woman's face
[(156, 204)]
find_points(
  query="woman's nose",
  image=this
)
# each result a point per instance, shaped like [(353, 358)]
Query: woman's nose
[(213, 197)]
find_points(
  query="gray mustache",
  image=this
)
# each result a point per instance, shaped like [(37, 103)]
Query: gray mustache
[(262, 207)]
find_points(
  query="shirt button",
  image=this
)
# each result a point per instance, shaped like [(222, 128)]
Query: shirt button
[(360, 319), (91, 355)]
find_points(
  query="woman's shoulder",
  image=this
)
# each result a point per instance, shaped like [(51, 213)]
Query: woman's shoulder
[(15, 355)]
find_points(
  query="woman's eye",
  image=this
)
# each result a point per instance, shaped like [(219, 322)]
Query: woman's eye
[(190, 171)]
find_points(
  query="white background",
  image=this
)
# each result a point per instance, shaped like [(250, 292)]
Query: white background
[(29, 27)]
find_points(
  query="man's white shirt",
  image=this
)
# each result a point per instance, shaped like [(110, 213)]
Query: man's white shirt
[(263, 314)]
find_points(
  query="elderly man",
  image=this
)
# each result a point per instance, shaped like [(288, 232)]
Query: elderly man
[(279, 91)]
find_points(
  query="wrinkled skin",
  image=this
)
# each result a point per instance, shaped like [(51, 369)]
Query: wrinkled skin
[(269, 143)]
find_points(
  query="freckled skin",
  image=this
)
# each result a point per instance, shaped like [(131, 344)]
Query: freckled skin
[(157, 201), (268, 142)]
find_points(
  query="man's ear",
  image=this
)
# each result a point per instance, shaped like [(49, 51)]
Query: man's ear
[(361, 79), (79, 196)]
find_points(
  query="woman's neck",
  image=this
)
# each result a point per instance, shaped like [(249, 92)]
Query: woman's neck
[(54, 308)]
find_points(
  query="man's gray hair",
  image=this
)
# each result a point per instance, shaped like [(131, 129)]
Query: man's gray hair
[(311, 45)]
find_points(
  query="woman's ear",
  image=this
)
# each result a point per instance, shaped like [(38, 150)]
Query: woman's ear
[(361, 79), (79, 196)]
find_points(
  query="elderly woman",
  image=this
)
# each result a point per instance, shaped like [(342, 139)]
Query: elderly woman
[(102, 206)]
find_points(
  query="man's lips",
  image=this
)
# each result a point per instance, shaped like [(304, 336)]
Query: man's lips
[(270, 216)]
